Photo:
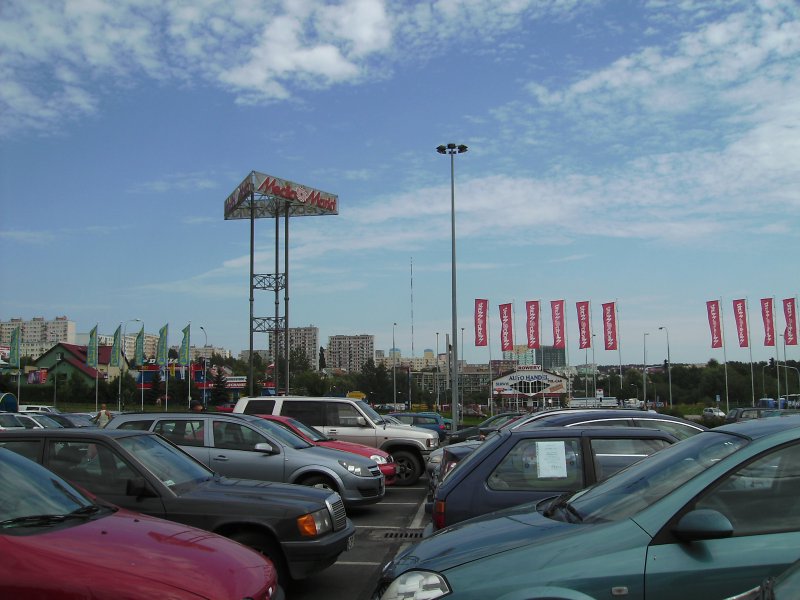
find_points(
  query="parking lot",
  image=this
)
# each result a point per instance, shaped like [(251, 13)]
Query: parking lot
[(381, 531)]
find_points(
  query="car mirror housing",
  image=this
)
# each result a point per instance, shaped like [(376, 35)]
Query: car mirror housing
[(362, 422), (703, 524), (138, 488), (265, 448)]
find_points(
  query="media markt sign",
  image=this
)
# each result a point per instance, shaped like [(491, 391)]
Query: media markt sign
[(260, 195)]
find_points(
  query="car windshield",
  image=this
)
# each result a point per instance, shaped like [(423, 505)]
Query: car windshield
[(476, 454), (646, 482), (313, 434), (46, 422), (36, 492), (370, 412), (289, 438), (175, 468)]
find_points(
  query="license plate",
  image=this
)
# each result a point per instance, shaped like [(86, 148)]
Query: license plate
[(351, 541)]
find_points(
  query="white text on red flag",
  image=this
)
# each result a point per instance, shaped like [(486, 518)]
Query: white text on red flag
[(714, 323), (481, 307), (584, 326), (740, 316), (532, 310), (610, 325), (506, 330)]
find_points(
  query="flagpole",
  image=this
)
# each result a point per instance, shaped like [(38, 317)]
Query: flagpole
[(777, 355), (566, 352), (724, 356), (489, 344), (619, 345), (750, 348)]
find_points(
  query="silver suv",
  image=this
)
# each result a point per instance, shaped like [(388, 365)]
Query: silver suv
[(247, 447), (355, 421)]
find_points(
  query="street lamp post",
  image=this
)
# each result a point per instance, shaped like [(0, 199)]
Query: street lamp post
[(461, 387), (453, 149), (205, 365), (644, 368), (394, 369), (122, 349), (669, 365), (436, 376)]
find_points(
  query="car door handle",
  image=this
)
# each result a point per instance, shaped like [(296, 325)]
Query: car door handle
[(333, 431), (221, 457)]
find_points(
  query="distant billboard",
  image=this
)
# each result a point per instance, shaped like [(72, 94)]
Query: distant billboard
[(269, 196)]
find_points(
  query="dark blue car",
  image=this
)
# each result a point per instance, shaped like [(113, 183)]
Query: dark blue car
[(431, 421)]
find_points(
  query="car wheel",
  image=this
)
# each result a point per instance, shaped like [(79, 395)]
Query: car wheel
[(269, 548), (321, 482), (409, 468)]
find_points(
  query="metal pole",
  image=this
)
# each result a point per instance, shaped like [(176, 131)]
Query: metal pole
[(644, 369), (394, 369), (669, 365), (286, 291), (436, 376), (252, 284), (205, 364)]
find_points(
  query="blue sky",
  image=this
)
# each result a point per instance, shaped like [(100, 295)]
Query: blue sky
[(643, 152)]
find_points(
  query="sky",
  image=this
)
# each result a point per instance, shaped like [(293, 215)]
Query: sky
[(639, 152)]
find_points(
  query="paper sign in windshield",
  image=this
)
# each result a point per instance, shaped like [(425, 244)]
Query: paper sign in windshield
[(551, 459)]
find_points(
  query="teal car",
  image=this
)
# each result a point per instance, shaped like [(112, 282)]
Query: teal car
[(706, 518)]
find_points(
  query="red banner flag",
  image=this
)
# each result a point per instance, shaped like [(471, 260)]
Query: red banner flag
[(506, 331), (584, 326), (740, 315), (769, 321), (481, 307), (714, 323), (790, 312), (610, 325), (559, 339), (532, 308)]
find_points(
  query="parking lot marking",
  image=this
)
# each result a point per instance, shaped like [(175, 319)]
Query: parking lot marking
[(358, 564), (418, 518)]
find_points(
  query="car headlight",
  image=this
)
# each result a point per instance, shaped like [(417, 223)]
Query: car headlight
[(417, 585), (358, 470), (433, 442), (314, 524), (379, 459)]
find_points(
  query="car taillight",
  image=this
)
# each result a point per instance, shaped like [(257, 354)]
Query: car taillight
[(438, 514)]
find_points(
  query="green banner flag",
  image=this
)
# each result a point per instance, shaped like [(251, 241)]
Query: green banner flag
[(138, 353), (183, 357), (115, 348), (91, 349), (161, 355), (13, 357)]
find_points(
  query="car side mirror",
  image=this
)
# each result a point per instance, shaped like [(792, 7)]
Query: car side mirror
[(139, 488), (361, 421), (703, 524), (265, 448)]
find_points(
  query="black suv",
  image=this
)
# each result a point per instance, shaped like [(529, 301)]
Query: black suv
[(301, 529)]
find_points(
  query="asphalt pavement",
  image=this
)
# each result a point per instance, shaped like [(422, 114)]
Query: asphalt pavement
[(382, 530)]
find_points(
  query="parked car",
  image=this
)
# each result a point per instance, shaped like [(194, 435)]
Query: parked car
[(37, 421), (704, 518), (744, 413), (250, 447), (431, 421), (353, 420), (598, 417), (66, 419), (9, 421), (383, 459), (514, 467), (302, 530), (57, 542), (466, 433), (713, 412), (37, 408)]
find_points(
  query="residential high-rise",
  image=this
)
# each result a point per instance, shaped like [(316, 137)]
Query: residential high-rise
[(304, 338), (349, 352)]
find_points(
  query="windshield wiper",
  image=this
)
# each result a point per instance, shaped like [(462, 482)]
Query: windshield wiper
[(48, 520)]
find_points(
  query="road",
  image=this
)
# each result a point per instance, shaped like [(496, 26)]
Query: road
[(381, 531)]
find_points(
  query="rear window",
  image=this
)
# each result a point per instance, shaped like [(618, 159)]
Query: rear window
[(143, 425), (311, 413), (259, 407)]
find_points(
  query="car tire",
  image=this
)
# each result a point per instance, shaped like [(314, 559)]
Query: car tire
[(262, 544), (409, 467), (321, 482)]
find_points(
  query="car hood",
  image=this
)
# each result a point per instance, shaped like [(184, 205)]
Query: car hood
[(477, 538), (129, 549), (353, 447), (263, 493)]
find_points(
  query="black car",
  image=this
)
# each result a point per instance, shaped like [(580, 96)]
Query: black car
[(514, 467), (474, 432), (301, 529), (66, 419), (620, 417)]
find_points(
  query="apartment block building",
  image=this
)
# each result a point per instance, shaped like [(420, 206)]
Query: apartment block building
[(304, 338), (38, 335), (349, 352)]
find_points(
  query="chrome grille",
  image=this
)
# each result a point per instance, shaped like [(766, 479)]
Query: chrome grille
[(375, 471), (336, 508)]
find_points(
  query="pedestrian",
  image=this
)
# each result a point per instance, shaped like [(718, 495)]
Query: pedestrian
[(103, 417), (197, 406)]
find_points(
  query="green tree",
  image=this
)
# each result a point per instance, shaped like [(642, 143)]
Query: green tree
[(219, 390), (156, 388), (322, 363)]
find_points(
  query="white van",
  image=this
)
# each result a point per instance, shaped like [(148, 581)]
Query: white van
[(37, 408), (353, 420)]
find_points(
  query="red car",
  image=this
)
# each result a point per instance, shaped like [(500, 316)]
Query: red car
[(57, 542), (313, 436)]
